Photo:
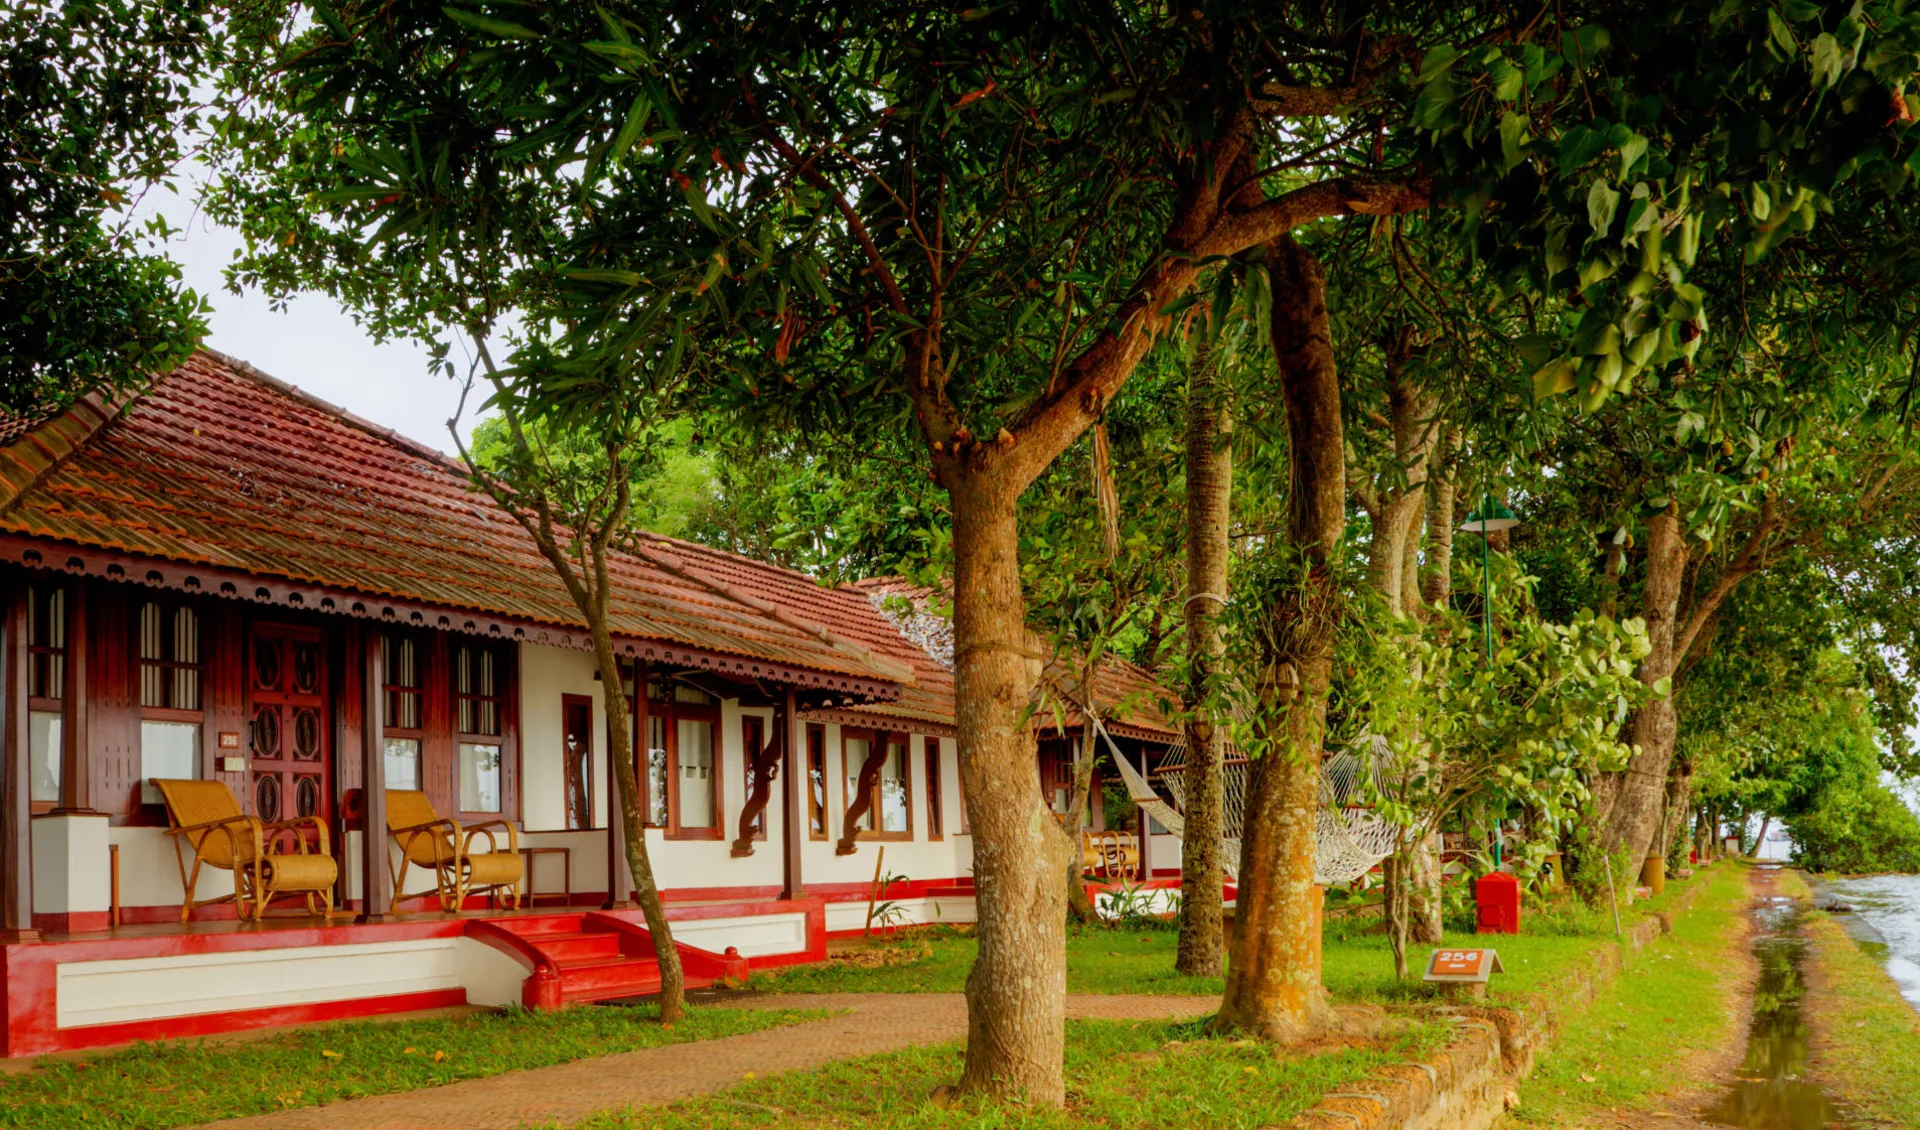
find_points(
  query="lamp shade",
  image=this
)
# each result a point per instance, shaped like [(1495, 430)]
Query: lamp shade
[(1488, 517)]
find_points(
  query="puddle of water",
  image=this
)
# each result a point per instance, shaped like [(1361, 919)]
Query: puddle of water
[(1769, 1091)]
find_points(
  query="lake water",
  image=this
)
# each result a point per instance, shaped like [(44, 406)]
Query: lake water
[(1886, 916)]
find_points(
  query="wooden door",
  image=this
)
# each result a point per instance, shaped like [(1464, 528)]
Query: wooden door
[(292, 761)]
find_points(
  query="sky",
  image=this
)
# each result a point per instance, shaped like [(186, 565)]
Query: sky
[(314, 343)]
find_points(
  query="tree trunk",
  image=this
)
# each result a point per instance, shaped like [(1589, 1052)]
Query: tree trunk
[(1637, 795), (1273, 975), (1760, 840), (1080, 908), (1209, 498), (673, 999), (1679, 796), (1016, 994)]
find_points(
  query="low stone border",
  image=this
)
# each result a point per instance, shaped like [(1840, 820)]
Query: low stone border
[(1467, 1084)]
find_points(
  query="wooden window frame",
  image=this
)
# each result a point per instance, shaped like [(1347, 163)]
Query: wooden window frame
[(642, 724), (170, 613), (819, 823), (850, 775), (504, 699), (54, 675), (930, 758), (749, 753), (567, 702), (675, 713), (390, 691)]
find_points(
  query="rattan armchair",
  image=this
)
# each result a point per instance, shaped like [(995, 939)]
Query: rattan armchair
[(444, 847), (205, 816)]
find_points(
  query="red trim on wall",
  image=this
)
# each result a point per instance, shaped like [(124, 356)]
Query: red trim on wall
[(72, 922), (213, 1023)]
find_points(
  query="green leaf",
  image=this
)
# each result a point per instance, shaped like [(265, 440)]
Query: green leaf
[(1631, 150), (1602, 200), (1829, 62), (1507, 79), (1553, 378), (630, 129), (1513, 135), (505, 29)]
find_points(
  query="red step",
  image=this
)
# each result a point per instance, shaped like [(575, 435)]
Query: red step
[(598, 959), (607, 980)]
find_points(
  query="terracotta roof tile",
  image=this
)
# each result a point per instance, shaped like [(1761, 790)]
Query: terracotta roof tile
[(219, 465)]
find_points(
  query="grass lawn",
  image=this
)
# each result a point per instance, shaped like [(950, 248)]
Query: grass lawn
[(1357, 961), (153, 1086), (1625, 1049), (1866, 1036), (1119, 1074)]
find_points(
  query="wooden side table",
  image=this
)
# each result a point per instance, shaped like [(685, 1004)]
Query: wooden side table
[(565, 895)]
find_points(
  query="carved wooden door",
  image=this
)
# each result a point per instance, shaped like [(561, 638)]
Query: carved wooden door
[(287, 720)]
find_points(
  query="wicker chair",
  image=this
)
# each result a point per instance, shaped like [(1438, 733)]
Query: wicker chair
[(205, 816), (433, 842), (1110, 854)]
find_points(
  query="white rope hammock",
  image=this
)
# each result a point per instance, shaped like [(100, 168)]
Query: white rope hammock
[(1348, 839)]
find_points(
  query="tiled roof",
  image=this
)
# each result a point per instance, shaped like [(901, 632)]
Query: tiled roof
[(850, 611), (220, 466), (1129, 697)]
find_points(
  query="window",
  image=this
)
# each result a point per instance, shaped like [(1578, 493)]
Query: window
[(651, 740), (576, 746), (888, 813), (816, 782), (46, 689), (478, 676), (896, 792), (936, 819), (169, 693), (853, 751), (753, 739), (400, 711), (690, 721)]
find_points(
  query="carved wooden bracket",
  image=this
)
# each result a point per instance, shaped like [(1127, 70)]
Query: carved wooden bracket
[(766, 768), (863, 796)]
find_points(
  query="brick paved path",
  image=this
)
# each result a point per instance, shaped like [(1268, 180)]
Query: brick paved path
[(570, 1092)]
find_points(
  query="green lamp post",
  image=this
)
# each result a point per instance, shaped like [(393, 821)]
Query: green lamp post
[(1488, 517)]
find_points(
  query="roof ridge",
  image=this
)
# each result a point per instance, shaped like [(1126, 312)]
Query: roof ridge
[(19, 476), (252, 372), (666, 559)]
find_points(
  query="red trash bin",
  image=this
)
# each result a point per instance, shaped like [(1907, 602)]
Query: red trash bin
[(1496, 895)]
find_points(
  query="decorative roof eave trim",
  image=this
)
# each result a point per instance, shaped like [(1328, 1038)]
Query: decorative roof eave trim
[(876, 718), (234, 584)]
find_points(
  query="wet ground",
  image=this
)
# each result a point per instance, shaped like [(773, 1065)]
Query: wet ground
[(1769, 1090)]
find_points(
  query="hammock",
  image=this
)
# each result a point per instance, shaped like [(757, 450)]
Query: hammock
[(1348, 839)]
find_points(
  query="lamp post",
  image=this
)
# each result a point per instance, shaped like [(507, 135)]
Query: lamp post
[(1490, 516)]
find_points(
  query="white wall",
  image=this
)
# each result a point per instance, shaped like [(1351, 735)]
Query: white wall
[(948, 858)]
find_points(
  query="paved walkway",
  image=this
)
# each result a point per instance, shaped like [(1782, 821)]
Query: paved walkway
[(573, 1091)]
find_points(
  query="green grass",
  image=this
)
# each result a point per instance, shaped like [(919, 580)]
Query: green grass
[(1119, 1074), (1866, 1036), (1357, 961), (1671, 1001), (153, 1086), (1098, 961)]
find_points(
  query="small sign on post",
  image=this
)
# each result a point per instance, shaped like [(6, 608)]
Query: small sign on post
[(1458, 970)]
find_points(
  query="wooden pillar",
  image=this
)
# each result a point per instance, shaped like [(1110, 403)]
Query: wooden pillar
[(376, 882), (619, 874), (794, 811), (75, 788), (16, 803), (1146, 821)]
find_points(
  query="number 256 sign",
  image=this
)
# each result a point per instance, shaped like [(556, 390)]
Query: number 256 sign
[(1463, 966)]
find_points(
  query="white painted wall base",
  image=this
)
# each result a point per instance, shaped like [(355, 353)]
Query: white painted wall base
[(843, 916), (150, 988), (755, 936)]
